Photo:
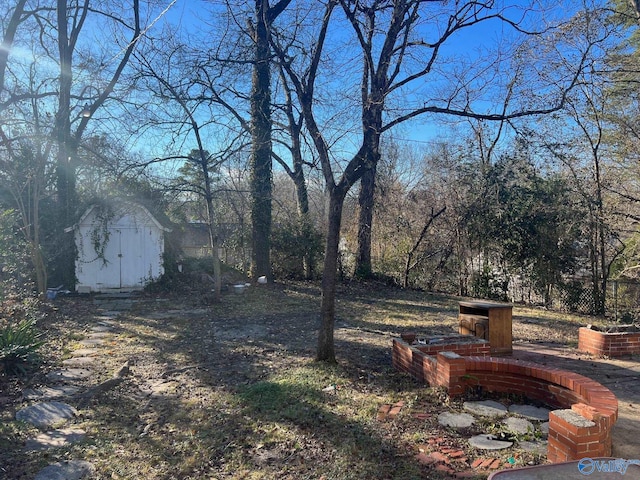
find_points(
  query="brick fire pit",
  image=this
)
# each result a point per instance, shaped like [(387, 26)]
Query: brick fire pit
[(585, 410)]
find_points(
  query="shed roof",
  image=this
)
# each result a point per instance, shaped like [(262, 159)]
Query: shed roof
[(120, 202)]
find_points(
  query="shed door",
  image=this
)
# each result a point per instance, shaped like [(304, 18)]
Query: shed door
[(125, 260), (130, 257)]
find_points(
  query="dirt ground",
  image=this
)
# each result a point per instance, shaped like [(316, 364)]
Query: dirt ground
[(228, 389)]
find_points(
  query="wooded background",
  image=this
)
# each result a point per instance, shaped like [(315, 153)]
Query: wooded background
[(487, 149)]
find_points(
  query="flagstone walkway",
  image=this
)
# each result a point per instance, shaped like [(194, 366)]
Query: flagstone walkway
[(46, 406), (527, 424)]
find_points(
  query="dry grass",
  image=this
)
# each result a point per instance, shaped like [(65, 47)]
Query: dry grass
[(230, 390)]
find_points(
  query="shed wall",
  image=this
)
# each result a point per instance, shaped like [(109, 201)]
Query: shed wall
[(122, 253)]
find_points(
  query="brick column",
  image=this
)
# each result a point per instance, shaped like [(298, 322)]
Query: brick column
[(451, 369), (578, 433)]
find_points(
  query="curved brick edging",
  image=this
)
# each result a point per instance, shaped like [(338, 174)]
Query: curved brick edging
[(608, 344), (587, 411)]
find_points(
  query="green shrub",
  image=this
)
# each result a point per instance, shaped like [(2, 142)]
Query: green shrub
[(293, 244), (16, 268), (19, 344), (627, 317), (489, 285)]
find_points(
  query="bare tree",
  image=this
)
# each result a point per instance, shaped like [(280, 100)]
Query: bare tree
[(466, 15), (70, 20), (397, 61), (410, 263), (188, 106), (292, 140), (586, 158), (261, 135), (45, 106), (25, 183), (16, 17)]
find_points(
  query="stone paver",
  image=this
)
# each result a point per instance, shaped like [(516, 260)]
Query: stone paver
[(50, 393), (99, 335), (46, 414), (519, 426), (68, 375), (544, 428), (537, 447), (68, 470), (101, 328), (55, 439), (486, 408), (488, 442), (116, 309), (85, 352), (531, 412), (78, 362), (92, 342), (456, 420), (107, 320)]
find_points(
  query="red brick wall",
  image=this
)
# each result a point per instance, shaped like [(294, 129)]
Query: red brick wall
[(477, 348), (604, 344), (568, 439), (590, 436)]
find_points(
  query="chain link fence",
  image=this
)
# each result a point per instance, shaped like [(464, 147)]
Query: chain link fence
[(575, 296), (623, 301), (622, 298)]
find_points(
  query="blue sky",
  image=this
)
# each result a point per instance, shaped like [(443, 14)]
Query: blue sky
[(469, 45)]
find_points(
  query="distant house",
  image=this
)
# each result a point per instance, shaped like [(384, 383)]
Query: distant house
[(194, 240), (120, 247)]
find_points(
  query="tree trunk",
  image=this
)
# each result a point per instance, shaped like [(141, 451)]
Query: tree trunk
[(65, 168), (213, 234), (261, 190), (326, 348), (9, 35), (602, 300), (408, 264), (366, 200), (37, 258), (39, 266), (302, 200)]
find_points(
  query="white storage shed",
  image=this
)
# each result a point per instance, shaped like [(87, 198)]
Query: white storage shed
[(120, 248)]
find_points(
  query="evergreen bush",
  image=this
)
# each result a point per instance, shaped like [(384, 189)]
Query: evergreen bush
[(19, 344)]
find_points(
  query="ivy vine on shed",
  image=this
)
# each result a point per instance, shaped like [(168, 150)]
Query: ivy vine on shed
[(101, 232)]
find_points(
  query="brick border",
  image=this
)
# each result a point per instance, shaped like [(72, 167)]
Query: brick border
[(587, 411), (604, 344)]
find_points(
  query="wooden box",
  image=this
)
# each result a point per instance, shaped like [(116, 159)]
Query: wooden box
[(499, 317)]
